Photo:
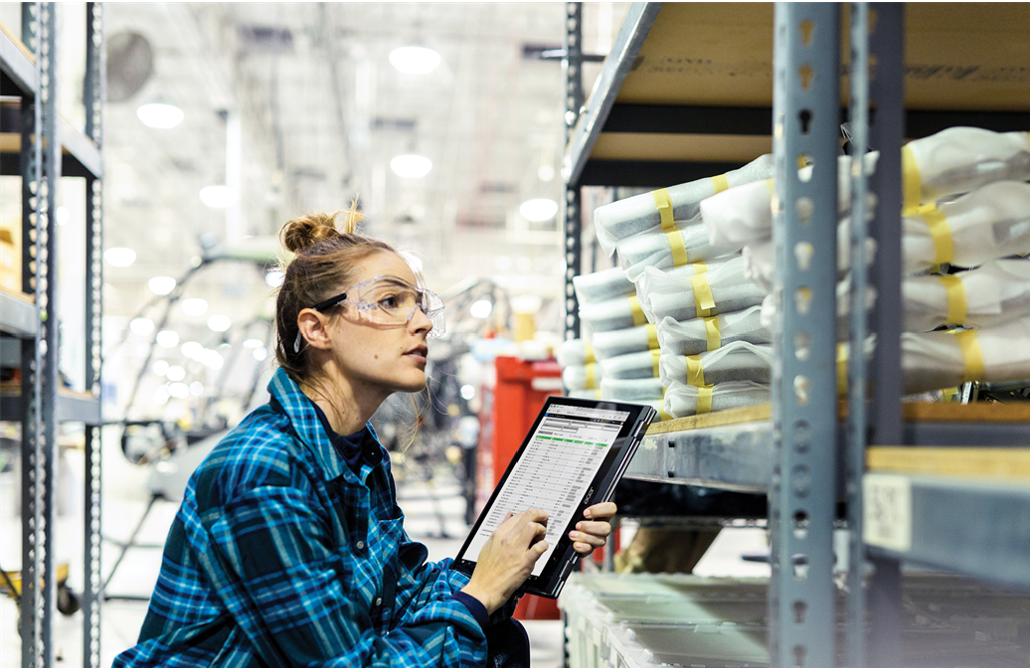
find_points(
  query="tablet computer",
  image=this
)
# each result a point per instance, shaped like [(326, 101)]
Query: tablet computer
[(572, 457)]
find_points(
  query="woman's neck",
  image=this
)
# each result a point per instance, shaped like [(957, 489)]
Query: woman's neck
[(346, 409)]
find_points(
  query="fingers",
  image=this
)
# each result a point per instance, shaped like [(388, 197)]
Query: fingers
[(601, 511)]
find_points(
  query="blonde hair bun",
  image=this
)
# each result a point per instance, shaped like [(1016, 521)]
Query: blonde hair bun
[(304, 232)]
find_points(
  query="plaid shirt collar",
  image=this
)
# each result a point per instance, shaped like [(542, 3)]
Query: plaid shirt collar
[(287, 397)]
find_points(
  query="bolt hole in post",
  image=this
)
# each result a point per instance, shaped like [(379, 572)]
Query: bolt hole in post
[(802, 342), (800, 651), (802, 300), (804, 206), (806, 73), (800, 608), (800, 525), (802, 436), (801, 390), (799, 562), (807, 29), (803, 252)]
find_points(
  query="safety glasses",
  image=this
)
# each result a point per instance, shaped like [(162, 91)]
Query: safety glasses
[(389, 300)]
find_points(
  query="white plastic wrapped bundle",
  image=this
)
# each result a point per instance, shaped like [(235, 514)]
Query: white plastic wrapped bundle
[(760, 257), (936, 360), (960, 159), (574, 351), (735, 361), (682, 400), (582, 377), (700, 334), (995, 293), (699, 295), (633, 365), (656, 404), (990, 222), (602, 285), (679, 246), (743, 215), (656, 210), (624, 341), (618, 313), (632, 389), (768, 308)]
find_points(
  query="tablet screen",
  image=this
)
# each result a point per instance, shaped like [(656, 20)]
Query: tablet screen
[(554, 473)]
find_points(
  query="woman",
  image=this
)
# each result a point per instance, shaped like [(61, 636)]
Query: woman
[(289, 547)]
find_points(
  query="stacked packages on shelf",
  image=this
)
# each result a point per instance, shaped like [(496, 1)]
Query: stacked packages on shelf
[(677, 324), (965, 238)]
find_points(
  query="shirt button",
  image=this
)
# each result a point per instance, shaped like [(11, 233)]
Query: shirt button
[(360, 545), (379, 601)]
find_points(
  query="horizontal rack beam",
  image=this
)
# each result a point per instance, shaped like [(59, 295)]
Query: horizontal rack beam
[(17, 66), (18, 316), (71, 407), (976, 528)]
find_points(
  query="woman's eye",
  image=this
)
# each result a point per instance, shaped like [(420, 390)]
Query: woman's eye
[(390, 302)]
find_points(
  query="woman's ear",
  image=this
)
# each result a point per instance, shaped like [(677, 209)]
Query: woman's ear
[(314, 327)]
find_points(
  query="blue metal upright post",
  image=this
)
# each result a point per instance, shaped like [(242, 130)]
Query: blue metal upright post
[(806, 111)]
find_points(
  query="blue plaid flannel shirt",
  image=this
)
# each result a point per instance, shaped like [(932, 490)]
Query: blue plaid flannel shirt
[(282, 555)]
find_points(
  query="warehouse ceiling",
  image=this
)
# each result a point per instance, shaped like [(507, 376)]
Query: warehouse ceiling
[(320, 113)]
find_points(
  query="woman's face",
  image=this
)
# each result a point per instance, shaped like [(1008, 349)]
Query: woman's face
[(389, 357)]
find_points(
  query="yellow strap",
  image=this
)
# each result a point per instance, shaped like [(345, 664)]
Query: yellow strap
[(695, 374), (597, 393), (652, 337), (911, 182), (949, 394), (591, 381), (704, 399), (940, 232), (590, 352), (842, 370), (956, 295), (679, 249), (972, 357), (713, 333), (662, 415), (700, 267), (655, 354), (704, 302), (664, 206), (638, 313), (721, 183)]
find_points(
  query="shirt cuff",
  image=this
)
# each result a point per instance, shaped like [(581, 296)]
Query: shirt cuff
[(475, 608)]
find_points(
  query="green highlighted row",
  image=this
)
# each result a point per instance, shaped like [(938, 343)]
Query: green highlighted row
[(572, 440)]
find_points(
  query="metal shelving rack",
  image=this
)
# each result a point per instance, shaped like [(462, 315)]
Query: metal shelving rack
[(50, 148), (800, 449)]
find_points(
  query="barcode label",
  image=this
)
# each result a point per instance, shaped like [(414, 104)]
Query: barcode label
[(887, 511)]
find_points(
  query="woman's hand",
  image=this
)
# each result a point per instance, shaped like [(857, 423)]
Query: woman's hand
[(507, 558), (593, 531)]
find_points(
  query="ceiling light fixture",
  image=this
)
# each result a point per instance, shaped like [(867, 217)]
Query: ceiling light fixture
[(141, 326), (274, 278), (161, 285), (481, 308), (160, 115), (414, 59), (161, 367), (411, 166), (120, 257), (167, 338), (538, 210), (218, 197), (176, 373), (253, 343), (194, 306), (219, 323)]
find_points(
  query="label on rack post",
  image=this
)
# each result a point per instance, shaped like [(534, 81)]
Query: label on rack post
[(887, 511)]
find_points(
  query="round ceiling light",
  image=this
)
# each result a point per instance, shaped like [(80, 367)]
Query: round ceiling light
[(167, 338), (120, 257), (218, 197), (414, 59), (160, 115), (219, 323), (274, 278), (538, 210), (161, 285), (194, 306), (481, 308), (411, 166), (141, 326)]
